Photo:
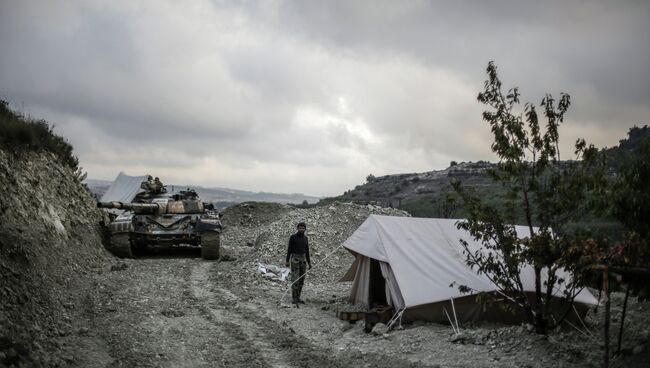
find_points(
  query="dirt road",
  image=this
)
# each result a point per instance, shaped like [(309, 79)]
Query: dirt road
[(186, 312)]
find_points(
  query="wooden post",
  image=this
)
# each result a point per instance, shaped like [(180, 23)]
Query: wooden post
[(607, 308), (620, 331)]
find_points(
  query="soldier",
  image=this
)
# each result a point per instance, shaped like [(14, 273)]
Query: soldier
[(298, 258), (147, 185), (157, 185)]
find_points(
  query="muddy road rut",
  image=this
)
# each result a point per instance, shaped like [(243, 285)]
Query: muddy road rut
[(187, 312)]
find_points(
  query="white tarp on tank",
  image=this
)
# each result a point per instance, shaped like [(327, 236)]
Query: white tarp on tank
[(124, 188), (420, 258)]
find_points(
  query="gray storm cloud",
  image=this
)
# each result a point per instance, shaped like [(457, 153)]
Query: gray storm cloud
[(311, 96)]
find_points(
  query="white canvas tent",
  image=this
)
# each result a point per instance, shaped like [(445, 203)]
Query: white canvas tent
[(410, 263), (124, 188)]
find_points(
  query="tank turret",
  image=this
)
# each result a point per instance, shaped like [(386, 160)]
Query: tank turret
[(150, 208)]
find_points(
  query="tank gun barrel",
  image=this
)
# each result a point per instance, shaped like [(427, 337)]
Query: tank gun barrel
[(135, 207)]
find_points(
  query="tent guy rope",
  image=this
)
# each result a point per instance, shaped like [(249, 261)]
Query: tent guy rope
[(308, 271)]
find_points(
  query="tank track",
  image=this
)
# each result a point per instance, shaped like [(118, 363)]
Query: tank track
[(121, 245), (210, 243)]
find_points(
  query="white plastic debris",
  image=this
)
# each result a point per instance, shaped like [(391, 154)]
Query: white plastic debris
[(273, 272)]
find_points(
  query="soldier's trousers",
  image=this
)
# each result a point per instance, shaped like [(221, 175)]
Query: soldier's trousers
[(298, 269)]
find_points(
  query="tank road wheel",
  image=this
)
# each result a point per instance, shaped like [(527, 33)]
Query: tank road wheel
[(121, 245), (210, 245)]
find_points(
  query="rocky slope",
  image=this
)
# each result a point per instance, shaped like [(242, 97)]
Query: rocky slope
[(259, 232), (50, 245), (422, 194), (426, 194)]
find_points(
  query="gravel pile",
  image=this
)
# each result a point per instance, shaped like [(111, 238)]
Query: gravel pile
[(259, 232)]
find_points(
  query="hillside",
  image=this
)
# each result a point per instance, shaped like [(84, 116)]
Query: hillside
[(429, 194), (421, 194)]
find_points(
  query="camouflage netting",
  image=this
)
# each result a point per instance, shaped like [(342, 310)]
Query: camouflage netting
[(50, 246)]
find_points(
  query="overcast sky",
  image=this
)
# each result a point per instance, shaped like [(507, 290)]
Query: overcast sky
[(312, 96)]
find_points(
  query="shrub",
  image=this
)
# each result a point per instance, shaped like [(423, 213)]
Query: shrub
[(18, 132)]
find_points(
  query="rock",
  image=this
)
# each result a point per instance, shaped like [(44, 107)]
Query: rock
[(119, 267), (170, 312), (645, 335), (638, 349), (379, 329), (345, 326)]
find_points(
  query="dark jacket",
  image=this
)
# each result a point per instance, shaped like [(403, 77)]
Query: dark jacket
[(298, 244)]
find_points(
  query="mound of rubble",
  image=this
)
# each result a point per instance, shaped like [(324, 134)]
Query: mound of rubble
[(260, 232), (50, 245), (253, 214)]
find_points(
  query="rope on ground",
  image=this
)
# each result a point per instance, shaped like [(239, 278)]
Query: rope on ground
[(306, 272)]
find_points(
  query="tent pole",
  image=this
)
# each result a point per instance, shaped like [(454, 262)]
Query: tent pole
[(607, 315), (453, 308), (450, 321), (397, 315)]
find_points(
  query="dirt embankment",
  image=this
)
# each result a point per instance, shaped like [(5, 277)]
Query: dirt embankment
[(50, 247)]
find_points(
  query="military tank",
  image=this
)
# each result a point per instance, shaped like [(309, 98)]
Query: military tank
[(157, 219)]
